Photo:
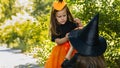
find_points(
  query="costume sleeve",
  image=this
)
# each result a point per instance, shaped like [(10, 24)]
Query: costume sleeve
[(53, 37), (75, 25), (63, 29), (70, 63), (67, 64)]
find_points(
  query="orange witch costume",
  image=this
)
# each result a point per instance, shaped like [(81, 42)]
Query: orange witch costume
[(57, 55), (59, 52)]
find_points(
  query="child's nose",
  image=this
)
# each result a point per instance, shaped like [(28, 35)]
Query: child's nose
[(62, 18)]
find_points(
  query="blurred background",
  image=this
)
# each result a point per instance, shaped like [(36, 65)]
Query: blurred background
[(24, 25)]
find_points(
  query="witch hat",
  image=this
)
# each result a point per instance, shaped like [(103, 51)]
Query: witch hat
[(87, 41), (59, 5)]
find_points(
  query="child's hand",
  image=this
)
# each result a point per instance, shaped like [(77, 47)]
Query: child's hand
[(67, 35), (77, 20), (80, 26)]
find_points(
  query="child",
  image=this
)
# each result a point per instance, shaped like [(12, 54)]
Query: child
[(89, 45), (62, 23)]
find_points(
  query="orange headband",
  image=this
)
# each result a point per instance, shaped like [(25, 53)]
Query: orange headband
[(59, 5)]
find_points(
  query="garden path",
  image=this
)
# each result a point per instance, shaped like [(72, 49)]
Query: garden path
[(10, 58)]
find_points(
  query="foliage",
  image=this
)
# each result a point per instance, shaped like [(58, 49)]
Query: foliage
[(7, 9), (41, 7), (44, 51), (109, 25)]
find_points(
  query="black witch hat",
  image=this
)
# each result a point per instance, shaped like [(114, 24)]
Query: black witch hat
[(87, 41)]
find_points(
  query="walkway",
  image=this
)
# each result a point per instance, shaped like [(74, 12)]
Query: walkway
[(14, 59)]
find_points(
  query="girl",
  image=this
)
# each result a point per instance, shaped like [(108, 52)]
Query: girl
[(62, 23)]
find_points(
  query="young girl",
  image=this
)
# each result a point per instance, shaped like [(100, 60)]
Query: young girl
[(62, 23)]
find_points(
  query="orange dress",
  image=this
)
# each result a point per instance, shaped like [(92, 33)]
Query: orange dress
[(58, 55)]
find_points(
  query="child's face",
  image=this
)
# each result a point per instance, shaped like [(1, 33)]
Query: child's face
[(61, 16)]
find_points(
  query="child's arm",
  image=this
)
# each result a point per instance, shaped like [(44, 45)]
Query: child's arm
[(68, 55), (62, 40)]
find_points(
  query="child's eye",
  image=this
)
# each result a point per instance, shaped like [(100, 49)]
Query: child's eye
[(64, 15), (59, 16)]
